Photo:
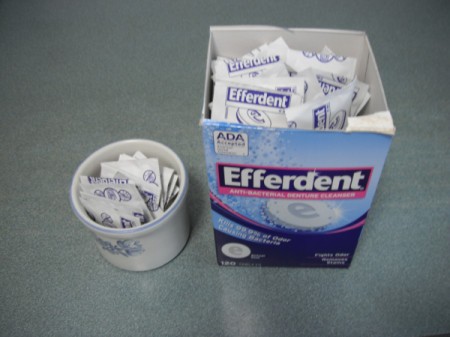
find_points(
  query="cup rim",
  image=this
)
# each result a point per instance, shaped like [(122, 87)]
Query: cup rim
[(79, 211)]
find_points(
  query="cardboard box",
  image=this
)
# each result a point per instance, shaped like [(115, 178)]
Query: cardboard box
[(287, 197)]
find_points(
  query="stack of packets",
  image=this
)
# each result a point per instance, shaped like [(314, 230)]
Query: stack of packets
[(276, 86), (129, 192)]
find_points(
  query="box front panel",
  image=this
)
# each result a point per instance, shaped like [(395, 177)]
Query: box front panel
[(289, 197)]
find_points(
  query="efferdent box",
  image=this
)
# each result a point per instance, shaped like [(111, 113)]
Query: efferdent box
[(285, 197)]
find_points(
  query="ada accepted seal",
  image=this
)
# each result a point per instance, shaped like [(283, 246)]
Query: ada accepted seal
[(231, 143)]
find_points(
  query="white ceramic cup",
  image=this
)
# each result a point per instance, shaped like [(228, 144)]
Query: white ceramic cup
[(154, 243)]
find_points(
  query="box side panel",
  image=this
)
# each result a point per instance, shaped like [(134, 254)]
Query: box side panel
[(234, 42), (208, 87), (377, 101)]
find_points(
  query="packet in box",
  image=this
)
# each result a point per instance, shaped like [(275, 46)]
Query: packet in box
[(292, 197)]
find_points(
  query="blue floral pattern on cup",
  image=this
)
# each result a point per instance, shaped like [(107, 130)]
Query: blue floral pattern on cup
[(126, 248)]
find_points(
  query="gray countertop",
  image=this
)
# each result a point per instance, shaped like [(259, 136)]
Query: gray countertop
[(77, 75)]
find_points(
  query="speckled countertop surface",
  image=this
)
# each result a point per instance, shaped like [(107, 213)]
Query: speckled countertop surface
[(77, 75)]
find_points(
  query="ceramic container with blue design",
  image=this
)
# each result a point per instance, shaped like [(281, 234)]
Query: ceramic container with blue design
[(154, 243)]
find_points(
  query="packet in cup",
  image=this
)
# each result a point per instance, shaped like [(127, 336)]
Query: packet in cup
[(114, 191)]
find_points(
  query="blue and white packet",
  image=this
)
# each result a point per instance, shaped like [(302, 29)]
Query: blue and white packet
[(130, 209), (108, 214), (301, 60), (295, 85), (277, 47), (122, 191), (313, 89), (266, 66), (331, 83), (329, 112), (144, 172), (252, 105)]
